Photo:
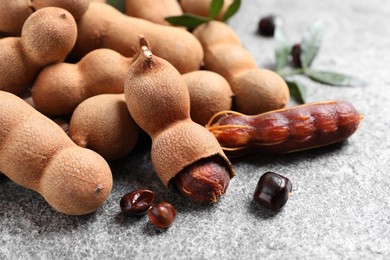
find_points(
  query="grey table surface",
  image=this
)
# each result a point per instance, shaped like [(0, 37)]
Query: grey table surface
[(340, 208)]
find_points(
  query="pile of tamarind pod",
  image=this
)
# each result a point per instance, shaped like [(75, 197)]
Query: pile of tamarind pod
[(286, 130), (255, 90), (86, 62), (47, 37)]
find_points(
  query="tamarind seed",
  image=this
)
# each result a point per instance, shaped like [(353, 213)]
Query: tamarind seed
[(296, 55), (272, 190), (267, 25), (137, 203), (162, 215)]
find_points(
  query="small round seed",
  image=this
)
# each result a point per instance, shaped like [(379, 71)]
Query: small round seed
[(162, 215), (296, 55), (137, 203), (272, 190), (268, 24)]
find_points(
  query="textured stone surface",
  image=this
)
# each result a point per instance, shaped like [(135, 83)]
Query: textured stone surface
[(340, 206)]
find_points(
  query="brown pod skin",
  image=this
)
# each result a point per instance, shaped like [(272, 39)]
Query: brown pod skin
[(236, 60), (48, 36), (37, 154), (286, 130), (102, 26), (63, 123), (76, 7), (202, 7), (152, 10), (103, 124), (259, 90), (180, 146), (17, 72), (158, 100), (14, 13), (209, 93), (255, 90), (212, 33), (61, 87)]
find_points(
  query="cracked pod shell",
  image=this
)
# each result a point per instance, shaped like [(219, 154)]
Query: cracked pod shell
[(182, 145)]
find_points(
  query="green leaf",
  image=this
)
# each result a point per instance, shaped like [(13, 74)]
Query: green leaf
[(232, 9), (297, 91), (334, 78), (288, 72), (118, 4), (187, 20), (311, 43), (215, 8), (282, 49)]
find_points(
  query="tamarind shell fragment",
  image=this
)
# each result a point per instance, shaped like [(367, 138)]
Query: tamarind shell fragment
[(182, 145), (285, 130)]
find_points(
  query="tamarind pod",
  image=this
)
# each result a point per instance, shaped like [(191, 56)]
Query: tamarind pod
[(48, 35), (14, 13), (285, 130), (102, 26), (11, 69), (37, 154), (184, 154), (152, 10), (255, 90), (202, 7)]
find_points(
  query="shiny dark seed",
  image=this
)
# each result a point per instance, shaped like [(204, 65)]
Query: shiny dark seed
[(296, 55), (267, 25), (162, 215), (272, 190), (137, 203)]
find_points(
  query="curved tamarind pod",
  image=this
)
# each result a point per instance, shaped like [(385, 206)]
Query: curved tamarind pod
[(102, 26), (14, 13), (103, 124), (255, 90), (285, 130), (184, 154), (48, 36), (102, 71), (37, 154)]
